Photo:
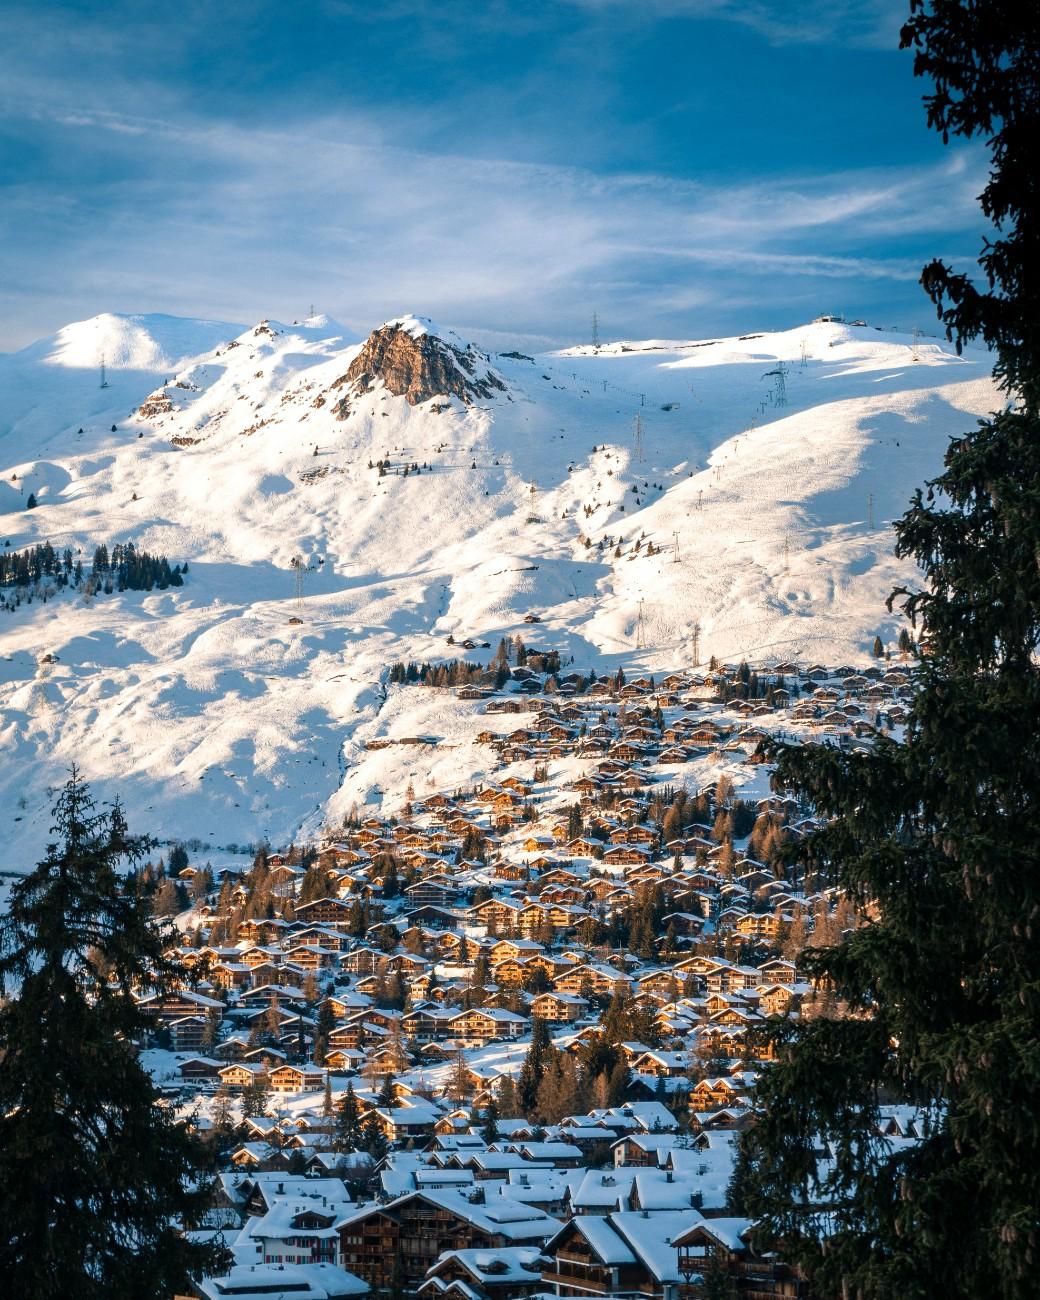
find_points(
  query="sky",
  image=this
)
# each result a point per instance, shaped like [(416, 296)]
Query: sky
[(682, 168)]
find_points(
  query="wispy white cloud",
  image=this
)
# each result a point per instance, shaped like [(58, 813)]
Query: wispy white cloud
[(236, 221), (864, 23), (414, 188)]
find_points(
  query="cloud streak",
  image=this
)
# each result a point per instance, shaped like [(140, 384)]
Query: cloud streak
[(235, 221), (871, 24)]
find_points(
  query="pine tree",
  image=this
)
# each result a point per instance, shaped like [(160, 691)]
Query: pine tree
[(618, 1083), (716, 1283), (223, 1118), (387, 1097), (941, 834), (374, 1139), (548, 1107), (508, 1098), (348, 1122), (540, 1051), (93, 1173), (256, 1096), (167, 899), (178, 859), (489, 1126)]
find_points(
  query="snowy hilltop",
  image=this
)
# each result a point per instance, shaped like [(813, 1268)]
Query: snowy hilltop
[(342, 504)]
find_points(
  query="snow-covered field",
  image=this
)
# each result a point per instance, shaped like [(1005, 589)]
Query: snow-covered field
[(216, 718)]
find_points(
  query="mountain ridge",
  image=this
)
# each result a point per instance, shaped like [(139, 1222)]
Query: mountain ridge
[(759, 521)]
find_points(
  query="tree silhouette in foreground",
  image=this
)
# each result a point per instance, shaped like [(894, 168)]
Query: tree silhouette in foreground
[(96, 1178), (938, 836)]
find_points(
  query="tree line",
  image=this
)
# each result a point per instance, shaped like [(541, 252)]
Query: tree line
[(41, 571)]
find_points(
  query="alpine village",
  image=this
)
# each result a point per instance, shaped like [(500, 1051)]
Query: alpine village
[(504, 1041), (525, 819)]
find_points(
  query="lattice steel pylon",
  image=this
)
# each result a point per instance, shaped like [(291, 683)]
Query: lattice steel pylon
[(780, 390), (640, 628), (640, 446), (296, 563)]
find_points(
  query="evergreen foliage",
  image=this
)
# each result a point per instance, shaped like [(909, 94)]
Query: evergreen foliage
[(95, 1175), (348, 1131), (460, 672), (938, 836), (42, 571)]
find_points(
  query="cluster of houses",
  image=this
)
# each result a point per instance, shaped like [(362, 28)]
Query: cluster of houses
[(409, 959), (642, 1213), (523, 1214)]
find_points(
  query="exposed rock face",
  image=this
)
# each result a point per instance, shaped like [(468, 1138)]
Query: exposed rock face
[(157, 403), (418, 366)]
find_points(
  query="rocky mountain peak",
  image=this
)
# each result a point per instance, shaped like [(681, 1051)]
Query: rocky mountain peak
[(416, 363)]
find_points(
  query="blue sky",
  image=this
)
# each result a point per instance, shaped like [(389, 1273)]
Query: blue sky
[(682, 167)]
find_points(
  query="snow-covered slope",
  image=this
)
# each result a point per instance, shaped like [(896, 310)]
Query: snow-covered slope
[(217, 715), (57, 380)]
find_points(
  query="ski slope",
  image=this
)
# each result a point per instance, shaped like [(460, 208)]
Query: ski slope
[(217, 718)]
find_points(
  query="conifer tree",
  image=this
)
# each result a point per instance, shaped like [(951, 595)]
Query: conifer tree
[(223, 1119), (95, 1176), (509, 1098), (348, 1122), (386, 1096), (539, 1054), (548, 1107), (939, 835), (374, 1139), (255, 1097), (489, 1126)]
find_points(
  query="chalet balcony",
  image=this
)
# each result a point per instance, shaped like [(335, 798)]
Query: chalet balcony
[(755, 1279), (575, 1282)]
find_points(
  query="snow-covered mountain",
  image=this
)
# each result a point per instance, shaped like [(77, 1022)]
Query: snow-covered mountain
[(229, 707)]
